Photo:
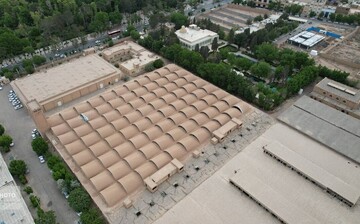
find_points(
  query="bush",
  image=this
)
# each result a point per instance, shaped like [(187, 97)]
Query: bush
[(35, 201), (38, 60), (52, 161), (17, 168), (48, 217), (40, 146), (91, 216), (158, 63), (23, 179), (5, 141), (79, 200), (28, 190), (2, 129), (149, 67)]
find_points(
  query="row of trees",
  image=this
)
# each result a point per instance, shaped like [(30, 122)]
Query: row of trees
[(5, 140), (268, 34), (350, 19), (78, 198), (28, 25)]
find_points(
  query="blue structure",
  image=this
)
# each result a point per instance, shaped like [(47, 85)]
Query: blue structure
[(327, 33)]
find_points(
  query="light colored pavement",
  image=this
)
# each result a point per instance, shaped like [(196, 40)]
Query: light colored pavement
[(18, 125)]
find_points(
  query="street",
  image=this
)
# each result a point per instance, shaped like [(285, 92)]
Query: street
[(18, 125)]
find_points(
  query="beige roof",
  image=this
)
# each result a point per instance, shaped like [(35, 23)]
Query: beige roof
[(64, 78), (135, 129), (313, 172)]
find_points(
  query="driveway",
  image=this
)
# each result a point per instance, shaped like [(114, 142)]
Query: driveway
[(18, 125)]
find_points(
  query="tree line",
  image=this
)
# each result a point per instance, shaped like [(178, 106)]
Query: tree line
[(26, 25)]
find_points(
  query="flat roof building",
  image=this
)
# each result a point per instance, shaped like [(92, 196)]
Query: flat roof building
[(13, 209), (61, 84), (193, 35), (115, 141), (129, 56), (339, 96), (306, 39), (270, 191), (332, 128)]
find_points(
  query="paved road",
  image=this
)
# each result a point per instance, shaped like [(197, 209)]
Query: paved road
[(19, 124)]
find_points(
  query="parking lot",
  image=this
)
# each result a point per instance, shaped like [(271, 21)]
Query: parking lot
[(18, 125)]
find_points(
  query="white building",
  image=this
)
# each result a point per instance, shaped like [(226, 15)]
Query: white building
[(193, 35)]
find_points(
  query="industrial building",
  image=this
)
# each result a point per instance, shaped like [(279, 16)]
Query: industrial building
[(125, 138), (130, 57), (287, 187), (339, 96), (13, 209), (193, 35), (306, 39), (325, 124), (58, 85)]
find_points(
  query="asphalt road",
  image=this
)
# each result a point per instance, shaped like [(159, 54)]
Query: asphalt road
[(18, 125)]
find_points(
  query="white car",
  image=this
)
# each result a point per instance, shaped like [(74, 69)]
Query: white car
[(0, 87), (41, 159), (12, 144)]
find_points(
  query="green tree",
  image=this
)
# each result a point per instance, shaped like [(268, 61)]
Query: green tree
[(321, 15), (35, 201), (149, 67), (249, 21), (2, 130), (17, 168), (158, 63), (178, 19), (312, 14), (38, 60), (261, 69), (29, 69), (79, 200), (28, 190), (5, 141), (91, 216), (231, 36), (135, 35), (214, 44), (332, 17), (40, 146), (267, 52), (43, 217), (204, 51), (258, 18)]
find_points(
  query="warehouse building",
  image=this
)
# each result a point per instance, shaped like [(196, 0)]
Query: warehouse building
[(339, 96), (56, 86), (124, 138), (288, 183), (325, 124)]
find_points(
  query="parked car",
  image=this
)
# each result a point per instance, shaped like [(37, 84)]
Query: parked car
[(1, 88), (41, 159), (19, 106), (12, 144), (35, 133)]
